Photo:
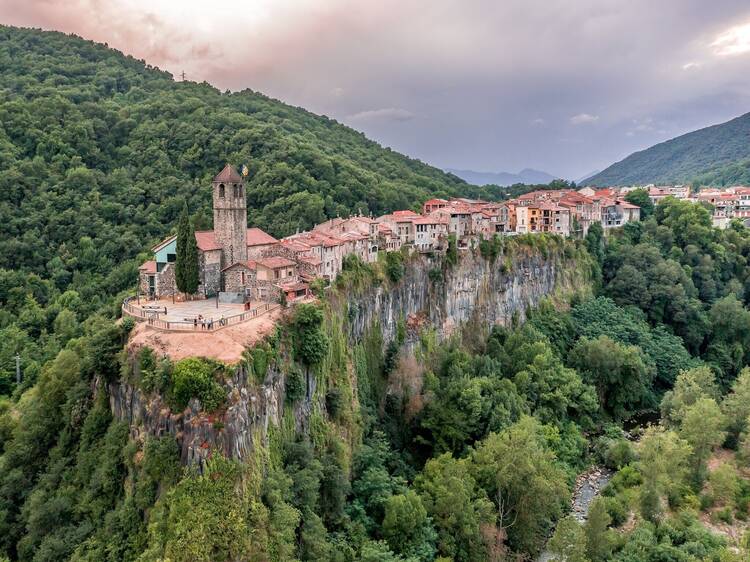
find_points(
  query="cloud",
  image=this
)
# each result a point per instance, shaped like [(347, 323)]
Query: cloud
[(484, 80), (734, 41), (583, 118), (383, 114)]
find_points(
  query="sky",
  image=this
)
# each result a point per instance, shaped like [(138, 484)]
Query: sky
[(564, 86)]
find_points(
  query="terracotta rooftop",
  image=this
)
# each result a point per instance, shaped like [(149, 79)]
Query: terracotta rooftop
[(275, 262), (148, 267), (257, 237), (206, 240), (312, 260), (228, 174), (250, 264)]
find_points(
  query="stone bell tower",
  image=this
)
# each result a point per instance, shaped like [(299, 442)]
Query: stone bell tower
[(230, 215)]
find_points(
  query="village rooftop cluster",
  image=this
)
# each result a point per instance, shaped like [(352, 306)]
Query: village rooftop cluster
[(240, 264)]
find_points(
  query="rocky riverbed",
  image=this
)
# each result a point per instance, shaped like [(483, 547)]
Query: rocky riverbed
[(588, 485)]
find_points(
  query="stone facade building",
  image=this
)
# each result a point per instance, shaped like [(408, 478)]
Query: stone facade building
[(231, 242)]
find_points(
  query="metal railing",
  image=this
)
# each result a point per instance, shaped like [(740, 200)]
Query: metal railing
[(151, 317)]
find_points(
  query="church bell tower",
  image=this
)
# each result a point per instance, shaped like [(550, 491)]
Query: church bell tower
[(230, 215)]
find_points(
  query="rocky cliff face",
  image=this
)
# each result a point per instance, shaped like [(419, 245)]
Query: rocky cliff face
[(474, 290)]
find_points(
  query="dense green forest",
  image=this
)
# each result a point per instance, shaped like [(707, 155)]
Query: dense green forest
[(716, 155), (99, 153), (465, 450)]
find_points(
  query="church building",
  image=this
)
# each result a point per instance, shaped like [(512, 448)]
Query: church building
[(230, 243)]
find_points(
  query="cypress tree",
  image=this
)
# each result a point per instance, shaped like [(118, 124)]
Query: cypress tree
[(191, 263), (186, 266)]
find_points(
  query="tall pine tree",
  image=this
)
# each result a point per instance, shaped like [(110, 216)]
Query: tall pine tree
[(186, 267)]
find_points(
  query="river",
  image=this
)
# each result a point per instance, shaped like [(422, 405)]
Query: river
[(588, 485)]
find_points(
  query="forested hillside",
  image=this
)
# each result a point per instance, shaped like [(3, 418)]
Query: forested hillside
[(715, 155), (99, 152), (465, 449)]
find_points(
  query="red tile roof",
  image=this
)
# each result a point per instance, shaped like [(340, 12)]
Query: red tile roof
[(228, 174), (311, 260), (257, 237), (249, 264), (206, 240), (148, 267), (275, 262)]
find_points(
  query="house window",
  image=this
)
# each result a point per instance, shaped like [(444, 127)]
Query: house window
[(289, 273), (242, 274), (221, 190), (171, 258), (276, 273)]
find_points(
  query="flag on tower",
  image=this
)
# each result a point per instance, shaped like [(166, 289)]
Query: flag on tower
[(245, 171)]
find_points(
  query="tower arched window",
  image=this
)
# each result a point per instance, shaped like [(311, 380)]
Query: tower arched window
[(236, 190), (221, 190)]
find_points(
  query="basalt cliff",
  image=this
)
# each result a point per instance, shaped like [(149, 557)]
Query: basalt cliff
[(462, 299)]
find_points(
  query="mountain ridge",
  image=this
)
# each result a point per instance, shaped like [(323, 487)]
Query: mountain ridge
[(695, 157), (526, 176)]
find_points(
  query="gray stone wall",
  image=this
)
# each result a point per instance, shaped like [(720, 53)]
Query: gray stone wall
[(233, 278), (210, 272)]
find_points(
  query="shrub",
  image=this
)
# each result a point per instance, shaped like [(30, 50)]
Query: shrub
[(725, 483), (626, 477), (617, 509), (310, 343), (618, 454), (154, 375), (723, 515), (706, 501), (295, 386), (436, 275), (127, 325), (394, 266), (334, 403), (451, 255), (194, 378)]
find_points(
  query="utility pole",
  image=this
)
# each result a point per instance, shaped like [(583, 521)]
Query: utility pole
[(183, 75), (18, 369)]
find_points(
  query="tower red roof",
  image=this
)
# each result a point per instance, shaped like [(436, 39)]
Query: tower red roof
[(228, 174)]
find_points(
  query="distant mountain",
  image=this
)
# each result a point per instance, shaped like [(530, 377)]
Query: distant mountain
[(527, 175), (584, 177), (702, 156)]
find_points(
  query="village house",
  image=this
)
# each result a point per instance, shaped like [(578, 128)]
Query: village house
[(430, 232), (616, 213)]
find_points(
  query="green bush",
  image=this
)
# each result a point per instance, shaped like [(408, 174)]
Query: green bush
[(394, 266), (626, 477), (723, 515), (706, 501), (154, 375), (618, 510), (127, 325), (619, 454), (310, 343), (295, 386), (194, 378), (334, 403)]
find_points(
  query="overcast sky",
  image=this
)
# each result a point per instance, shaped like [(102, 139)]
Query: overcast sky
[(565, 86)]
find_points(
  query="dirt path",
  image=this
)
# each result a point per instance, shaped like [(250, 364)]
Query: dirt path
[(225, 345)]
